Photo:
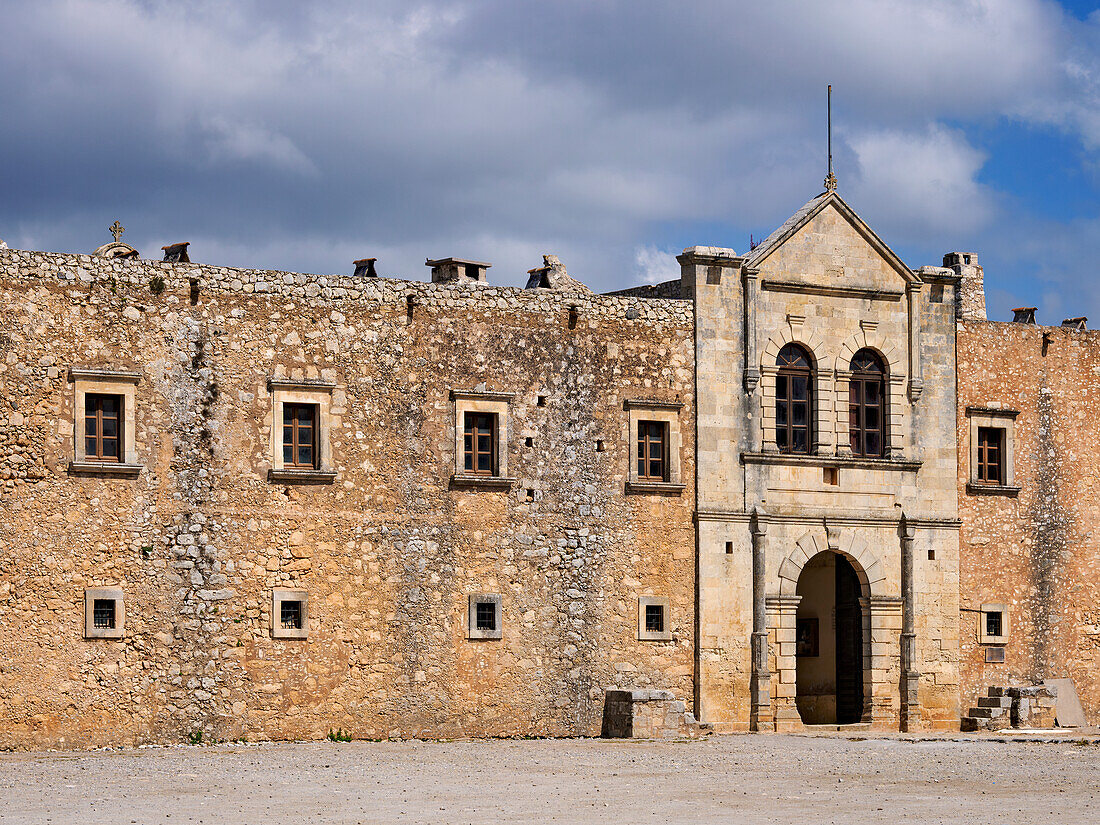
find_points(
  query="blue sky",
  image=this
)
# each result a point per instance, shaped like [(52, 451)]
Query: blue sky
[(288, 135)]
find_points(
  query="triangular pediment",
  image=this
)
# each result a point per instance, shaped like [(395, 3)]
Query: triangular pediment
[(826, 244)]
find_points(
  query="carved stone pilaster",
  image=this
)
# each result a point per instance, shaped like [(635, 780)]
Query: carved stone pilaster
[(752, 360), (910, 676), (760, 713), (916, 376)]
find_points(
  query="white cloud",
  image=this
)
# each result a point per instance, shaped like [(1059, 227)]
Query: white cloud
[(922, 182), (653, 265)]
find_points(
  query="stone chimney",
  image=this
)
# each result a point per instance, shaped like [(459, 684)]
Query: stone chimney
[(1079, 324), (176, 253), (1023, 315), (552, 275), (448, 270), (970, 298), (364, 268)]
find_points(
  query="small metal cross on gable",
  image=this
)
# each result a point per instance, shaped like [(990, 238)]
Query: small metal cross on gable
[(116, 229)]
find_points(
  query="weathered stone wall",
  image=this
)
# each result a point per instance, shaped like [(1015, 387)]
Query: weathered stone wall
[(388, 551), (1036, 551)]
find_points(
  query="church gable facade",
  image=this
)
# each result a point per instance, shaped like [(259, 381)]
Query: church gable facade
[(267, 505)]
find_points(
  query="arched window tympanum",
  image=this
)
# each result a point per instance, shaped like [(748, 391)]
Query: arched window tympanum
[(867, 404), (794, 400)]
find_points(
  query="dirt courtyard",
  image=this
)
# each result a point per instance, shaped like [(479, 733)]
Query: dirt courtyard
[(725, 779)]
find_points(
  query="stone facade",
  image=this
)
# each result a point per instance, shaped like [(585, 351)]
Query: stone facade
[(210, 583), (1031, 545), (200, 525), (826, 282)]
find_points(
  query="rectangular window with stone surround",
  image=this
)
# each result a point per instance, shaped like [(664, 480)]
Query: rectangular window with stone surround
[(993, 624), (289, 614), (104, 613), (653, 619), (301, 430), (105, 422), (653, 433), (482, 432), (992, 440)]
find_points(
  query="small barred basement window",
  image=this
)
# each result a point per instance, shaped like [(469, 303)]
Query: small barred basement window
[(993, 628), (653, 619), (104, 613), (289, 614), (484, 617)]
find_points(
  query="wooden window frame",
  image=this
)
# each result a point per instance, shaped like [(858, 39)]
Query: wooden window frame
[(857, 408), (120, 422), (985, 464), (92, 382), (645, 443), (471, 435), (291, 419), (783, 378), (292, 393)]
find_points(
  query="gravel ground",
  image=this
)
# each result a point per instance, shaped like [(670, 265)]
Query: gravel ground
[(727, 779)]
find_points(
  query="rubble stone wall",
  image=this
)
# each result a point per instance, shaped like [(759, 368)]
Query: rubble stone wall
[(1037, 550), (389, 551)]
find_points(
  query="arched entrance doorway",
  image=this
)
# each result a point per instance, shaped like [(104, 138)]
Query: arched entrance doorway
[(829, 649)]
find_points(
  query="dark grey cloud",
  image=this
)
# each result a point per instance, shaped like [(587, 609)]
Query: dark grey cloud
[(303, 135)]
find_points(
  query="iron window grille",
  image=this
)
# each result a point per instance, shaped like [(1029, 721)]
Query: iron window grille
[(103, 427), (300, 436), (994, 623), (290, 614), (991, 455), (867, 404), (103, 613), (794, 391), (485, 617), (652, 451), (655, 618), (479, 443)]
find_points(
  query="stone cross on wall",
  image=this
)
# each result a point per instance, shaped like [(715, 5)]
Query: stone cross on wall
[(116, 229)]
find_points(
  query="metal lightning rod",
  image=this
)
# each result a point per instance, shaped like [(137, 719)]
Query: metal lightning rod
[(830, 180)]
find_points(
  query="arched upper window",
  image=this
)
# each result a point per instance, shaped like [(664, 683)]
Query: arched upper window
[(794, 400), (867, 404)]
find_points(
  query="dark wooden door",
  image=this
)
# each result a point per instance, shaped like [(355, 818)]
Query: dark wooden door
[(849, 644)]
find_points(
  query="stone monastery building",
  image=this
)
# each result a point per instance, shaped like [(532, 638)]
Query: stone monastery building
[(805, 485)]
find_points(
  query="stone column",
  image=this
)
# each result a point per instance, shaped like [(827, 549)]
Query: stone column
[(910, 677), (760, 718), (752, 360), (784, 618)]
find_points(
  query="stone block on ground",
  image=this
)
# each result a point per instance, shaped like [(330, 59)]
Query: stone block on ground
[(648, 714)]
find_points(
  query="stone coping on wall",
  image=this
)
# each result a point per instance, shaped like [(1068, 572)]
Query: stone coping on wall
[(155, 277)]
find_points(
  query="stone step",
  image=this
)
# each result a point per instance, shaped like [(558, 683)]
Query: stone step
[(996, 691), (987, 713), (995, 701), (968, 724)]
